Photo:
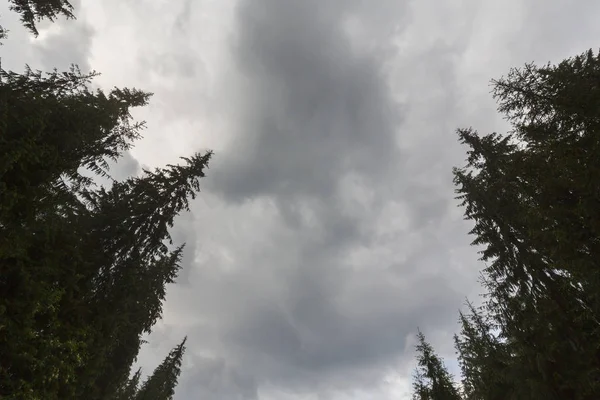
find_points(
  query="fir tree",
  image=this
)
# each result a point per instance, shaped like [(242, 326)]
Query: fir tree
[(52, 126), (432, 380), (161, 384), (131, 226), (486, 365), (82, 269), (129, 388), (534, 197)]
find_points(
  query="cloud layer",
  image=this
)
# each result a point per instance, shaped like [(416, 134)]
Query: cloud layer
[(327, 231)]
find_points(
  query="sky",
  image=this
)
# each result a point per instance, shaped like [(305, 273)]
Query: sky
[(327, 231)]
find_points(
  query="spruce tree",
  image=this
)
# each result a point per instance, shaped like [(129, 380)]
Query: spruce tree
[(161, 384), (534, 196), (82, 269), (129, 388), (52, 126), (131, 222), (432, 380), (485, 361)]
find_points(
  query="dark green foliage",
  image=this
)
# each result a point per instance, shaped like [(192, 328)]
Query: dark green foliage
[(484, 359), (131, 226), (33, 11), (51, 126), (534, 197), (82, 269), (128, 388), (161, 384), (432, 380)]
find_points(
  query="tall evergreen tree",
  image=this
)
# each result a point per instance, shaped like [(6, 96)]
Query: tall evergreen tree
[(82, 269), (161, 384), (486, 364), (534, 195), (432, 380), (52, 126), (131, 222), (129, 388)]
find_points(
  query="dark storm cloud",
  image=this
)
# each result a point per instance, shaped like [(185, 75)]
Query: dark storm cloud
[(322, 328), (318, 131), (215, 379), (316, 108), (70, 46)]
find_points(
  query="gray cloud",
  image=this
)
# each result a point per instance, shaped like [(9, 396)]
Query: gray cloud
[(69, 46), (315, 109), (317, 325), (215, 379), (14, 54), (317, 141)]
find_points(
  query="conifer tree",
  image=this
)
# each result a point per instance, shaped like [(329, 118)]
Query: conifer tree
[(129, 388), (534, 195), (52, 126), (131, 225), (161, 384), (432, 380), (486, 365), (82, 269)]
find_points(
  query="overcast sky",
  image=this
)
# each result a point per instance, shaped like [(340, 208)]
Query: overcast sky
[(327, 230)]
